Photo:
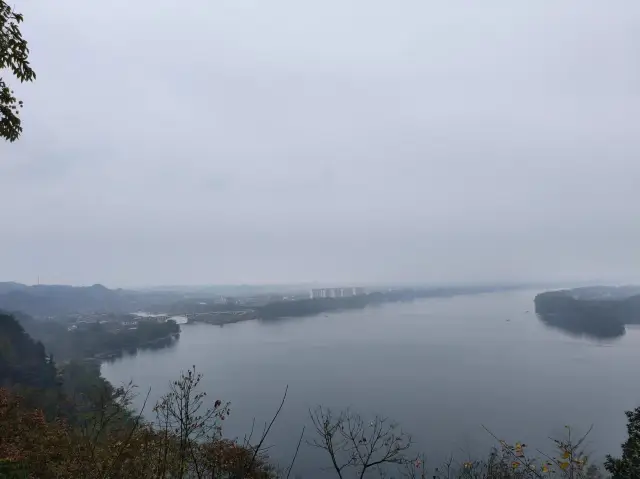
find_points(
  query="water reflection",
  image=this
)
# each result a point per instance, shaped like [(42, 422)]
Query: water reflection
[(163, 343), (577, 326)]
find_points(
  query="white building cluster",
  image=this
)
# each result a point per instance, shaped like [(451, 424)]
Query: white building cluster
[(336, 292)]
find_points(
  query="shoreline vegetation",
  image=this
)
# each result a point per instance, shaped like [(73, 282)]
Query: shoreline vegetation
[(316, 306), (598, 312), (97, 341), (105, 340)]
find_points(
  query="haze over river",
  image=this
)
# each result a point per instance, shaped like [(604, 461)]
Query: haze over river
[(439, 367)]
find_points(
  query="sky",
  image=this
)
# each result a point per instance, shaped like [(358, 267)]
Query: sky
[(346, 141)]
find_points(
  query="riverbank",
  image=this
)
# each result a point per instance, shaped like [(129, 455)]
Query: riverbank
[(438, 365), (219, 318), (316, 306)]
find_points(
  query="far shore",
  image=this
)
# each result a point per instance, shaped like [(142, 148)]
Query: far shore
[(318, 306)]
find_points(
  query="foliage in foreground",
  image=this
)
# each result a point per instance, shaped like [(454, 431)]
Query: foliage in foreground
[(628, 466), (357, 448), (184, 441), (14, 55)]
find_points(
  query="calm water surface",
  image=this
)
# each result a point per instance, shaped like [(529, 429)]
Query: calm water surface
[(440, 367)]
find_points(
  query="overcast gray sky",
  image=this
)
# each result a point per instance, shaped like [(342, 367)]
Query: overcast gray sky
[(343, 141)]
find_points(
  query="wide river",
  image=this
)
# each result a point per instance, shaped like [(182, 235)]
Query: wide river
[(441, 368)]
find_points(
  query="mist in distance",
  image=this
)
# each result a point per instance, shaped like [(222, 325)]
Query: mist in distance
[(340, 142)]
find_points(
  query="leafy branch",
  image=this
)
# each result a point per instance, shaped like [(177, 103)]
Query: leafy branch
[(14, 56)]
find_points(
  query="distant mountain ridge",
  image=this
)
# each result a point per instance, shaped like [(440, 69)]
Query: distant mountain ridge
[(51, 300), (44, 300)]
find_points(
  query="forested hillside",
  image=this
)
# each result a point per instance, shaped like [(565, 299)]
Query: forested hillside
[(95, 339), (68, 422)]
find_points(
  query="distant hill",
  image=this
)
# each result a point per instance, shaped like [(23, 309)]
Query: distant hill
[(46, 300), (53, 300), (11, 286)]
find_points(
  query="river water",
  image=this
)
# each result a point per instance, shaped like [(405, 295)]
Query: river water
[(441, 368)]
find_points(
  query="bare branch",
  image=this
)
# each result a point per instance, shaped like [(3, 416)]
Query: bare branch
[(350, 442), (126, 442), (296, 453), (265, 433)]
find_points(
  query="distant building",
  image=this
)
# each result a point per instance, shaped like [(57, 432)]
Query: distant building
[(336, 292)]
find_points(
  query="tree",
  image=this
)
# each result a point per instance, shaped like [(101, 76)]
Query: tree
[(351, 443), (14, 54), (182, 412), (628, 466)]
